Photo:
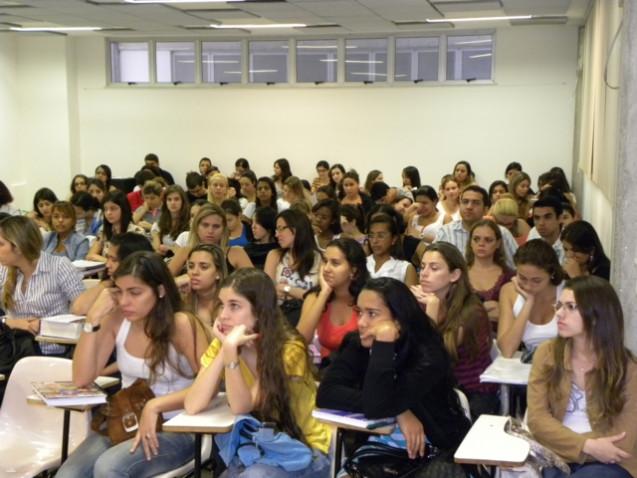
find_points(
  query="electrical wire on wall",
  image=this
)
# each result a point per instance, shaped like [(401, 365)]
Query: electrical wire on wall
[(610, 52)]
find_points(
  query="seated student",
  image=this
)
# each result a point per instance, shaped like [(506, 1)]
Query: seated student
[(87, 213), (546, 217), (239, 233), (141, 320), (33, 283), (326, 192), (282, 171), (218, 189), (6, 201), (526, 303), (583, 251), (411, 178), (449, 194), (248, 183), (152, 160), (294, 266), (505, 213), (520, 190), (322, 176), (174, 219), (513, 169), (104, 173), (329, 309), (265, 367), (43, 201), (294, 192), (374, 176), (351, 193), (135, 198), (122, 246), (337, 171), (488, 270), (497, 189), (426, 220), (446, 296), (209, 226), (569, 214), (582, 393), (206, 269), (241, 165), (263, 236), (79, 183), (396, 365), (148, 213), (353, 225), (64, 241), (97, 189), (384, 242), (266, 195), (205, 166), (325, 222), (117, 220), (196, 186), (463, 174)]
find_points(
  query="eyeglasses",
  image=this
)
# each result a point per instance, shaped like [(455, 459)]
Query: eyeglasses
[(568, 306)]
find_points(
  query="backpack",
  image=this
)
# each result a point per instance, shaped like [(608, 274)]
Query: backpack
[(14, 345)]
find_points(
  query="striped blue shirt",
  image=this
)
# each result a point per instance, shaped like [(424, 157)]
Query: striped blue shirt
[(55, 283)]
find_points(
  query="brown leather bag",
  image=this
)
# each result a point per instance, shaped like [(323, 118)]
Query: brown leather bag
[(123, 412)]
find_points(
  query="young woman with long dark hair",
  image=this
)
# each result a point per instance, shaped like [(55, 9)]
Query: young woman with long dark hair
[(174, 219), (582, 393), (584, 251), (265, 366), (281, 168), (43, 201)]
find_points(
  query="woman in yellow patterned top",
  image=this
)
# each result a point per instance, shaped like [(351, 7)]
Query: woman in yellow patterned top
[(265, 366)]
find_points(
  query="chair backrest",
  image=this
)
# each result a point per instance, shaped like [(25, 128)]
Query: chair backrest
[(464, 402), (45, 420)]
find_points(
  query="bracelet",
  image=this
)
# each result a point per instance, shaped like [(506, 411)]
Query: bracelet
[(232, 365)]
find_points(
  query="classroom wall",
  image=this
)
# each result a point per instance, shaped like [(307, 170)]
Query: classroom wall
[(8, 111), (80, 122)]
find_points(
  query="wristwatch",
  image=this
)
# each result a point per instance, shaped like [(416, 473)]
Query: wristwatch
[(287, 289), (90, 328)]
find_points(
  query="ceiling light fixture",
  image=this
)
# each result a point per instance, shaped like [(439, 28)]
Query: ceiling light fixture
[(247, 26), (55, 29), (483, 55), (478, 19), (181, 1)]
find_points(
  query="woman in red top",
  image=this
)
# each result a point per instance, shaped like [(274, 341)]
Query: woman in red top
[(330, 308)]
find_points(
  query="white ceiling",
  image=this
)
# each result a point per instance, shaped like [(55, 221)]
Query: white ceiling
[(344, 17)]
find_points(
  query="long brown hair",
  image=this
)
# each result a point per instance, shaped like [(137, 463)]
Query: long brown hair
[(275, 334), (603, 319), (25, 237), (463, 307), (498, 256), (219, 260), (166, 223), (206, 210), (159, 326)]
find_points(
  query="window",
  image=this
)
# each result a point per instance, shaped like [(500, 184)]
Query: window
[(129, 62), (268, 62), (316, 61), (221, 62), (366, 60), (469, 57), (416, 59), (175, 62)]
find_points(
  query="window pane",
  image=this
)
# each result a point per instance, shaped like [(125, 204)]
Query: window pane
[(366, 60), (469, 57), (416, 59), (221, 62), (316, 60), (175, 62), (129, 62), (268, 62)]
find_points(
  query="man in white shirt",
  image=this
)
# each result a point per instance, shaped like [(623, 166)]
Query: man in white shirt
[(546, 214), (474, 202)]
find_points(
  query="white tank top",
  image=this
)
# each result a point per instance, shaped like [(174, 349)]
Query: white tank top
[(535, 334), (167, 381)]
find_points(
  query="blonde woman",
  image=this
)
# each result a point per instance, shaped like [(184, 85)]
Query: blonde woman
[(505, 213)]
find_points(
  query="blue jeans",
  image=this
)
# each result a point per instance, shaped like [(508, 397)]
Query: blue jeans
[(589, 470), (319, 468), (96, 457)]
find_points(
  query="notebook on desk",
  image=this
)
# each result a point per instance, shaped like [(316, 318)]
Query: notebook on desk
[(351, 419), (67, 394)]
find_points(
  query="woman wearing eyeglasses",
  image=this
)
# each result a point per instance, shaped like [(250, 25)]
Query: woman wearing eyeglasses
[(526, 303), (582, 393)]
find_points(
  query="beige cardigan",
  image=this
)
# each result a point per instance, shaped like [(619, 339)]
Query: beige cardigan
[(545, 419)]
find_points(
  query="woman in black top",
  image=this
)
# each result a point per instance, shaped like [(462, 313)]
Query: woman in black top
[(397, 365)]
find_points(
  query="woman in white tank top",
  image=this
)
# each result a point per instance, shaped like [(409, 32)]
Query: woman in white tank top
[(140, 319), (526, 303)]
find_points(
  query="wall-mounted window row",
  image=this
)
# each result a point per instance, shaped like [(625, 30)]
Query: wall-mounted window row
[(418, 59)]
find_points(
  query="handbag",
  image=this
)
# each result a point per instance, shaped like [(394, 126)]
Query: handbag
[(377, 460), (14, 345), (119, 418)]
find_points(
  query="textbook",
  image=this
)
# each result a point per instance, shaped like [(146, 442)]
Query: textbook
[(351, 419), (66, 326), (66, 394)]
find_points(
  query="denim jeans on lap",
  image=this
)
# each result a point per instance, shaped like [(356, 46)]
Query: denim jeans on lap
[(96, 457), (319, 468), (589, 470)]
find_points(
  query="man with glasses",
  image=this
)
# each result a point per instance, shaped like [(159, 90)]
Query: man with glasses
[(474, 202)]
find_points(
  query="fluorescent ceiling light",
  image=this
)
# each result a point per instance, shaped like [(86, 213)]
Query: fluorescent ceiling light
[(483, 55), (247, 26), (473, 42), (374, 62), (263, 71), (181, 1), (55, 29), (219, 62), (478, 19)]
